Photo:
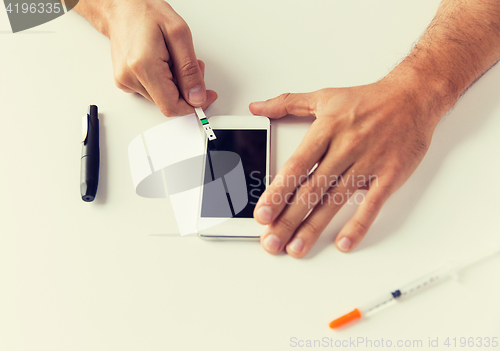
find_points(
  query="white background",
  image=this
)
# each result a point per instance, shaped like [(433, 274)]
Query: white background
[(112, 275)]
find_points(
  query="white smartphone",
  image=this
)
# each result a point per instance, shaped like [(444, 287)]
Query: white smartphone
[(243, 144)]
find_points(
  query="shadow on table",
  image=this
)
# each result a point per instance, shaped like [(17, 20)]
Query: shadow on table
[(459, 124), (28, 32), (102, 190)]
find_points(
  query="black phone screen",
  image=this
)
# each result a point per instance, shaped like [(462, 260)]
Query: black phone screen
[(250, 145)]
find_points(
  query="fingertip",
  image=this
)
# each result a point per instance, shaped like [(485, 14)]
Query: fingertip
[(256, 107), (344, 244), (269, 108), (296, 248), (211, 97), (263, 215), (294, 254), (271, 243)]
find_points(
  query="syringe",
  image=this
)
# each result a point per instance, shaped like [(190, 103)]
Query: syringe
[(409, 289)]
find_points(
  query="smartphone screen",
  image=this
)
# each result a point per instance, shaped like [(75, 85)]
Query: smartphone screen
[(250, 145)]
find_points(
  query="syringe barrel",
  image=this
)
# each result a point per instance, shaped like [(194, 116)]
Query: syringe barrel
[(406, 290), (425, 281), (382, 301)]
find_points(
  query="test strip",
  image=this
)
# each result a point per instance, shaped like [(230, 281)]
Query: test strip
[(205, 124)]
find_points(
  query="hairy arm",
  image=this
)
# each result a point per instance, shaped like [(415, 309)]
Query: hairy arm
[(376, 131), (459, 46)]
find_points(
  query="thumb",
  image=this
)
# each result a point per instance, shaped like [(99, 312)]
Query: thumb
[(191, 82), (286, 104)]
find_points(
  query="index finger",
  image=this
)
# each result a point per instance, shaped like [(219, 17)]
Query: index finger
[(153, 73), (158, 81)]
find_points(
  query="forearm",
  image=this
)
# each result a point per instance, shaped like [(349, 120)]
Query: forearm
[(461, 44), (97, 12)]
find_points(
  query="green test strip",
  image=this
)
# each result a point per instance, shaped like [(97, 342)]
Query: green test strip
[(204, 122)]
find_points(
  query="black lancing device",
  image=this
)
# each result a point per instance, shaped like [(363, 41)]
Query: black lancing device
[(89, 176)]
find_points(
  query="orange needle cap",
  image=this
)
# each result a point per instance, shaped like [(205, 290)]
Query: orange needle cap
[(351, 316)]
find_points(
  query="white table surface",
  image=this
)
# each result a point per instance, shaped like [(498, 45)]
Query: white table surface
[(112, 275)]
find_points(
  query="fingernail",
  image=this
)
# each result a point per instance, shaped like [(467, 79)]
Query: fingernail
[(345, 243), (265, 214), (196, 95), (296, 245), (272, 243)]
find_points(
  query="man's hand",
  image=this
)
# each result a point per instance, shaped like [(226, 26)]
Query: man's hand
[(371, 137), (152, 53)]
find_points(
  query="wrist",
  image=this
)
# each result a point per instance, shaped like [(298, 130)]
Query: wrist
[(432, 94), (125, 16), (98, 12)]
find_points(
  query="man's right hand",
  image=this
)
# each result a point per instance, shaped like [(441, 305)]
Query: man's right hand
[(152, 53)]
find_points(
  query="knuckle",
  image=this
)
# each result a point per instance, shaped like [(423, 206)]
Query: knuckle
[(374, 203), (297, 165), (121, 77), (359, 227), (189, 69), (178, 30), (309, 188), (334, 190), (285, 96), (351, 142), (372, 206), (274, 197), (384, 191), (286, 224), (395, 170), (347, 151), (309, 192), (266, 197), (167, 111), (135, 64), (310, 227), (334, 198), (119, 85)]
